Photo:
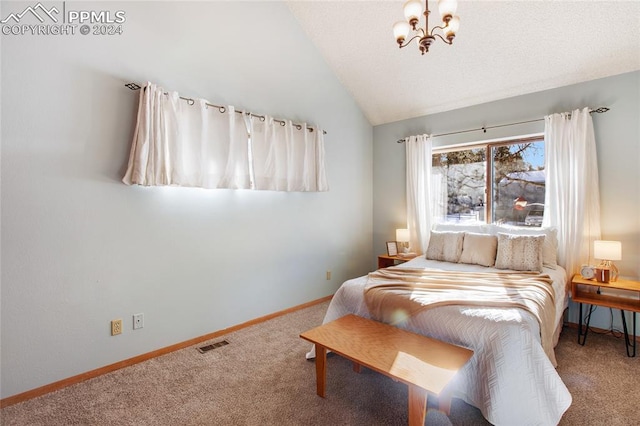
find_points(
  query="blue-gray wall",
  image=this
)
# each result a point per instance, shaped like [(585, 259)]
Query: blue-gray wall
[(80, 248), (618, 143)]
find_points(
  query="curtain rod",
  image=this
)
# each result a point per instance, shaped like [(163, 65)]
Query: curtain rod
[(222, 109), (599, 110)]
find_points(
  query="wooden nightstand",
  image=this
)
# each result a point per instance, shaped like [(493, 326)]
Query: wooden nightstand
[(626, 298), (384, 260)]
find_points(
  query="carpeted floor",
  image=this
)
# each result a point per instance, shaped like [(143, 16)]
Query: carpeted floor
[(262, 378)]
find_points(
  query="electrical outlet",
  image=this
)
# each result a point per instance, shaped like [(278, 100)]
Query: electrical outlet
[(328, 275), (138, 321), (116, 327)]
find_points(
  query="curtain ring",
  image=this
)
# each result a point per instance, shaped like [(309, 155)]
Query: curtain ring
[(222, 109), (298, 126), (282, 123), (191, 102), (262, 118)]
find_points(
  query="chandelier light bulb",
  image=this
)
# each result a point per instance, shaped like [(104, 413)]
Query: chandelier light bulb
[(447, 9), (413, 10), (401, 30)]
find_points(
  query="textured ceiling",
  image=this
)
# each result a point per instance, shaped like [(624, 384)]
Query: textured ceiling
[(503, 49)]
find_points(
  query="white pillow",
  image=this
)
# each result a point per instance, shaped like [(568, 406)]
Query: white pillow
[(549, 247), (519, 252), (445, 246), (479, 249)]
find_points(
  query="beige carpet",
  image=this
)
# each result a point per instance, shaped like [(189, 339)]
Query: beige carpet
[(262, 378)]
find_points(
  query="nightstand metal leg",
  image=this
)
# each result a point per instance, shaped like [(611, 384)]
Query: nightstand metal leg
[(630, 342), (582, 335)]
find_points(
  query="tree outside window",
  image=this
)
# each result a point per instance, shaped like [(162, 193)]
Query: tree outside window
[(507, 188)]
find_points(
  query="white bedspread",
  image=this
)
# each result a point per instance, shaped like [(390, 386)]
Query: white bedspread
[(509, 378)]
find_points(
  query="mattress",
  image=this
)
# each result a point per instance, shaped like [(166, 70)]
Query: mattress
[(509, 378)]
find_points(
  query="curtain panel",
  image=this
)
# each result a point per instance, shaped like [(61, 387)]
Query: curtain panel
[(419, 191), (572, 197), (286, 156), (192, 144)]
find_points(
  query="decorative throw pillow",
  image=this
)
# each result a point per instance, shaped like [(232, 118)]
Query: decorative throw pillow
[(479, 249), (549, 247), (519, 252), (445, 246)]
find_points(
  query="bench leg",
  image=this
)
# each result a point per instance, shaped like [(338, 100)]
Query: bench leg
[(417, 405), (321, 369)]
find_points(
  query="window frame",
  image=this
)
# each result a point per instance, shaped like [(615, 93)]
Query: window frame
[(489, 166)]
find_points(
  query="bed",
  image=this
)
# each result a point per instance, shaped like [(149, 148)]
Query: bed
[(510, 378)]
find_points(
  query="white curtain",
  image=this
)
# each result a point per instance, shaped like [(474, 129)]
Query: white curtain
[(192, 144), (287, 156), (419, 198), (572, 198)]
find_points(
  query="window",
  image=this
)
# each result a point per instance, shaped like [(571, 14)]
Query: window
[(504, 182)]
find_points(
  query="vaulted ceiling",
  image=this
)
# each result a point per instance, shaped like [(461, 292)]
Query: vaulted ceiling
[(503, 49)]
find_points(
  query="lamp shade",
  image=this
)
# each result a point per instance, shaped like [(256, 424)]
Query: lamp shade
[(453, 27), (447, 7), (607, 250), (401, 30), (413, 9), (402, 235)]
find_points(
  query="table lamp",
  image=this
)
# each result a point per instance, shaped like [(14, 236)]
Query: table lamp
[(607, 252)]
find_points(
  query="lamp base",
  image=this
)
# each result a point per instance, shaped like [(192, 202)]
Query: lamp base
[(606, 272)]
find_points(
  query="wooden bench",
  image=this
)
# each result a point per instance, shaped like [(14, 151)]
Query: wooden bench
[(425, 365)]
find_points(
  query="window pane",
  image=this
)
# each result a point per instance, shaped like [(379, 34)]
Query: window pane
[(459, 185), (518, 183)]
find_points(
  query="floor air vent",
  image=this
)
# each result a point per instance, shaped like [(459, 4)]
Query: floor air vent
[(212, 346)]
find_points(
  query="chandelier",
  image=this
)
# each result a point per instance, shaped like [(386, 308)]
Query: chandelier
[(412, 11)]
